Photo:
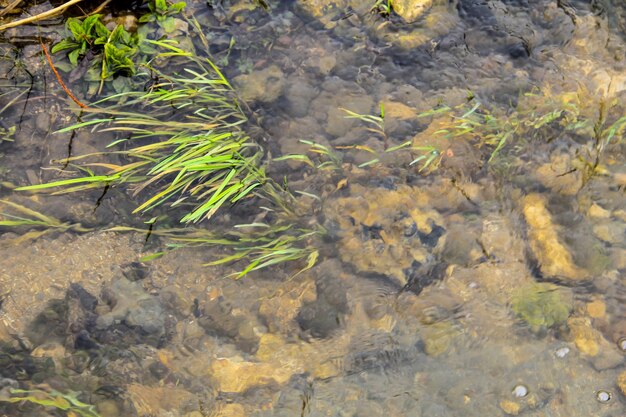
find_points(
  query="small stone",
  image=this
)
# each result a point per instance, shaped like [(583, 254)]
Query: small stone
[(621, 382), (596, 309), (510, 407), (562, 352), (520, 391), (603, 396), (621, 344), (598, 212), (610, 232), (108, 408)]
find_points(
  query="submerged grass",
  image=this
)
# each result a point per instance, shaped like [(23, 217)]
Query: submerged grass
[(183, 144), (55, 400), (15, 216), (184, 141)]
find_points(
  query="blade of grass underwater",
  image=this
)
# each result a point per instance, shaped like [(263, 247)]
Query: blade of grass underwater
[(62, 183)]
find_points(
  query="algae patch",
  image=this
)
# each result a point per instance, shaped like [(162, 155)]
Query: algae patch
[(541, 306)]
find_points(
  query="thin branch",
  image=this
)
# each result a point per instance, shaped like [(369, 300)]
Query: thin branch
[(10, 7), (56, 73), (41, 16), (99, 8)]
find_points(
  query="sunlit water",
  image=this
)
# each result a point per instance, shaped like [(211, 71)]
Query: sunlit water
[(477, 289)]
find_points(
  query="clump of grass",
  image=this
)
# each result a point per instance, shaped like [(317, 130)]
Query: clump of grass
[(183, 141), (66, 402), (259, 245), (15, 216), (329, 159), (183, 144)]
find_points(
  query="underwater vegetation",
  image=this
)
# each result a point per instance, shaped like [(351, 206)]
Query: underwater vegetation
[(541, 306), (182, 142), (66, 402)]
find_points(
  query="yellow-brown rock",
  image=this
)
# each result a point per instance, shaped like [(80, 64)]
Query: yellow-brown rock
[(596, 309), (281, 308), (598, 212), (237, 375), (398, 111), (621, 382), (160, 401), (298, 357), (411, 10), (553, 175), (264, 85), (438, 338), (512, 408), (383, 231), (232, 410), (585, 337), (553, 257)]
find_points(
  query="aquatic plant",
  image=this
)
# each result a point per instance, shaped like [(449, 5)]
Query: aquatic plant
[(15, 216), (329, 158), (114, 49), (183, 141), (383, 7), (196, 156), (67, 402), (163, 14), (541, 306)]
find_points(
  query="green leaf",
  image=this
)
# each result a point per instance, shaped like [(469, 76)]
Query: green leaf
[(65, 44), (117, 36), (168, 24), (118, 61), (160, 6), (177, 7), (101, 30), (73, 56), (76, 27), (148, 17), (89, 23)]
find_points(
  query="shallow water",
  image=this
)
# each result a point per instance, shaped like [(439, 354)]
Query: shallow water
[(487, 286)]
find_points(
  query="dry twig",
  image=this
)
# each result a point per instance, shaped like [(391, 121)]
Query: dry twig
[(41, 16), (10, 7)]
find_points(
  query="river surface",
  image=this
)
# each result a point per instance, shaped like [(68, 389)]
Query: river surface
[(452, 280)]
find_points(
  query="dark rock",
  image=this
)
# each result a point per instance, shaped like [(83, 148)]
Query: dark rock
[(135, 271), (323, 316)]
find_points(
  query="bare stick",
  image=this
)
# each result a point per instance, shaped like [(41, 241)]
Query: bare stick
[(41, 16), (59, 79), (99, 8), (10, 7)]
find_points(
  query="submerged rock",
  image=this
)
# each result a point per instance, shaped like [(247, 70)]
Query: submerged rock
[(132, 306), (411, 10), (388, 232), (237, 375), (554, 259), (325, 314), (264, 85)]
